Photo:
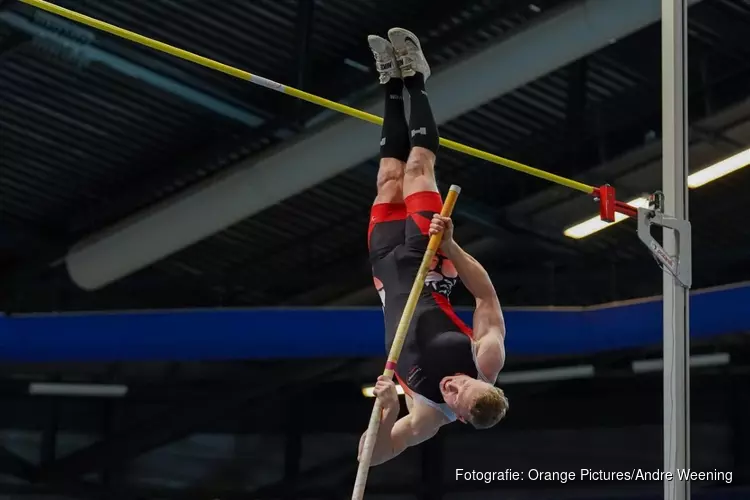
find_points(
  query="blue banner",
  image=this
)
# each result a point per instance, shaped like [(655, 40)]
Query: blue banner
[(308, 333)]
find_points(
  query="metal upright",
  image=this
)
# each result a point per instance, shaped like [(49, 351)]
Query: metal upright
[(676, 243)]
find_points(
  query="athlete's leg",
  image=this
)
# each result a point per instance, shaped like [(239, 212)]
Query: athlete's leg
[(394, 139), (421, 195), (388, 213), (419, 175)]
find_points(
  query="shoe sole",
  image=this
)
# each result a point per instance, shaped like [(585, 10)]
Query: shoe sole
[(378, 43), (398, 37)]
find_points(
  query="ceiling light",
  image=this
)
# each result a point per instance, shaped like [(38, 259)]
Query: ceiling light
[(367, 391), (719, 169), (77, 390), (546, 374), (697, 361)]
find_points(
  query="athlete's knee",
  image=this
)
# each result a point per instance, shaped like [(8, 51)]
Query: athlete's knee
[(390, 175)]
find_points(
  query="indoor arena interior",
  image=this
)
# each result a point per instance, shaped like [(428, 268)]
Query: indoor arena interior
[(374, 250)]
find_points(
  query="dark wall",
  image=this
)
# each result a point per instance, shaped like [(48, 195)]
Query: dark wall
[(303, 443)]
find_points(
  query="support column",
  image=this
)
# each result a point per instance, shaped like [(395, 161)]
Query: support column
[(432, 469), (576, 110), (676, 319), (48, 446), (304, 31), (112, 474), (292, 453)]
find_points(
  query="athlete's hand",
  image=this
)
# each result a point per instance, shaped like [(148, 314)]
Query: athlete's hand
[(443, 225), (385, 391)]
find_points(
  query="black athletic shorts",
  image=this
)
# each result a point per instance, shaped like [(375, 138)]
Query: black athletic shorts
[(397, 238)]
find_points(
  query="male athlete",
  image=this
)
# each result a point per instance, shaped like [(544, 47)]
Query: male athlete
[(447, 370)]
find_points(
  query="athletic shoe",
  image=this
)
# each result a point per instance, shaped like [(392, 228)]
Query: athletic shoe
[(409, 53), (385, 58)]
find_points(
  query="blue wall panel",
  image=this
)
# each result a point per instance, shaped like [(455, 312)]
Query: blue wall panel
[(295, 333)]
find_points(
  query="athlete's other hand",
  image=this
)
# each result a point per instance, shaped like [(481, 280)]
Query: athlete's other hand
[(443, 225), (385, 391)]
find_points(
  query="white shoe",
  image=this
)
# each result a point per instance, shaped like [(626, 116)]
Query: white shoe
[(385, 58), (409, 53)]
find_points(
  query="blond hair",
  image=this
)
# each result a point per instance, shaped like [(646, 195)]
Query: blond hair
[(489, 408)]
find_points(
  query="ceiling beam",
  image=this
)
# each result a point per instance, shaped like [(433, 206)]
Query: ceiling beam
[(582, 28)]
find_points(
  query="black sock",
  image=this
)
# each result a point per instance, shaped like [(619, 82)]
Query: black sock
[(394, 139), (422, 127)]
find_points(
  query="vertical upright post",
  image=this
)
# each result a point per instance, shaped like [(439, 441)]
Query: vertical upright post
[(676, 326)]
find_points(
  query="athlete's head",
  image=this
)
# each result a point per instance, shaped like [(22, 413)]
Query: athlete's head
[(473, 401)]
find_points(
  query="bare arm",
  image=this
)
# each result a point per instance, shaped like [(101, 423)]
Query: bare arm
[(394, 435), (406, 432), (472, 273), (488, 316), (489, 324)]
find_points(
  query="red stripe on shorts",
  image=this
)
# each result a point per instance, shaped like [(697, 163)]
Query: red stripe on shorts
[(385, 212), (423, 201)]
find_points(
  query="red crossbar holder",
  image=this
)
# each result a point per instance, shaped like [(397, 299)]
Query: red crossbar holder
[(626, 209), (607, 203)]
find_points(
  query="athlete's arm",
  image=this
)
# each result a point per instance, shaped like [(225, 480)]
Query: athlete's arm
[(488, 316), (405, 433), (394, 436)]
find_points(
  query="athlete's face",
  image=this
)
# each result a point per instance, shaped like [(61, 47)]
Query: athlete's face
[(460, 392)]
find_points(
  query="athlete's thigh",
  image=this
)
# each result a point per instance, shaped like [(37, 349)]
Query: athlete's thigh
[(420, 208), (407, 259), (386, 229)]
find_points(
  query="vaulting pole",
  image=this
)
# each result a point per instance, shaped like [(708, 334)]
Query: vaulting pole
[(398, 342)]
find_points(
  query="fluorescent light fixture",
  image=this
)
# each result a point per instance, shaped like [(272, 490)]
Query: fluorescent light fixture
[(78, 390), (594, 224), (367, 391), (547, 375), (719, 169), (697, 361), (525, 377), (358, 66)]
